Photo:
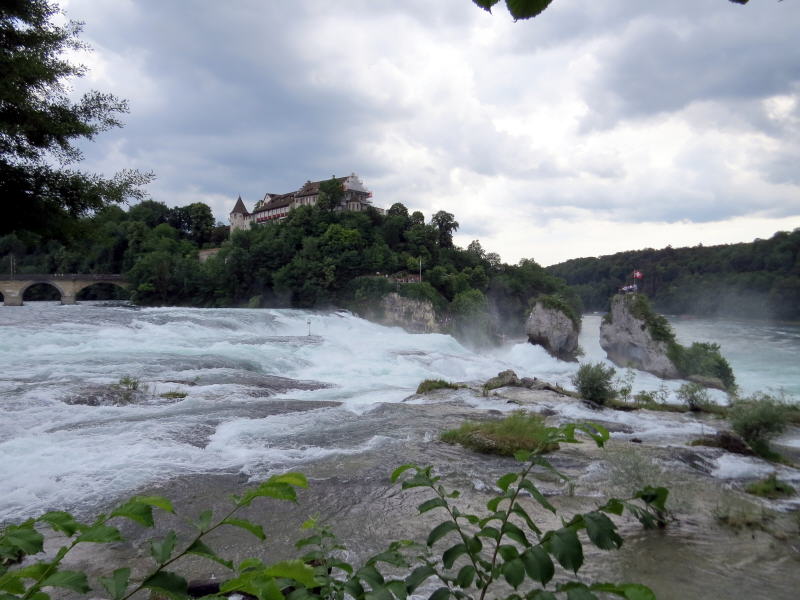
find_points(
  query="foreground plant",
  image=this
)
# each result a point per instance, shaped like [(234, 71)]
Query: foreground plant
[(502, 553), (31, 581)]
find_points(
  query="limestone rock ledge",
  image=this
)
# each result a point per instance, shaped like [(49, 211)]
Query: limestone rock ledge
[(553, 330), (416, 316), (628, 343)]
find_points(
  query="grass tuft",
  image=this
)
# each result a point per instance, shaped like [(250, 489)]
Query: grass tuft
[(771, 488), (518, 431), (430, 385)]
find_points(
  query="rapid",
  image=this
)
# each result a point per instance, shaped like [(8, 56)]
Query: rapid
[(256, 391)]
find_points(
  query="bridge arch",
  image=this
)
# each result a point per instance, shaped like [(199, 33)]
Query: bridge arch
[(49, 283), (122, 285)]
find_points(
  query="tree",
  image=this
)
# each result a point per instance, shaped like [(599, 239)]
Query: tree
[(331, 194), (445, 224), (526, 9), (40, 126)]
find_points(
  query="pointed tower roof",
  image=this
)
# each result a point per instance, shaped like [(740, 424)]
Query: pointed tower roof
[(239, 208)]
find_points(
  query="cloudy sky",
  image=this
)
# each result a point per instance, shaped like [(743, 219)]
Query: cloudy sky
[(594, 128)]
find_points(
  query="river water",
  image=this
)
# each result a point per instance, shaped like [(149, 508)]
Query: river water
[(260, 393)]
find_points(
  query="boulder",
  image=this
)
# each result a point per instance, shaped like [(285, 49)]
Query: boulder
[(553, 330), (503, 379), (628, 343)]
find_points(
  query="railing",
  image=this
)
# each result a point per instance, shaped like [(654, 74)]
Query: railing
[(63, 276)]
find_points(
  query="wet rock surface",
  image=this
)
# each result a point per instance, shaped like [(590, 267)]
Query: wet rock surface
[(628, 343), (553, 330), (695, 557)]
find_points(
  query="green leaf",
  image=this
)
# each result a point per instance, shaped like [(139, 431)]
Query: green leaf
[(70, 580), (372, 576), (397, 588), (636, 591), (161, 551), (353, 587), (490, 532), (520, 512), (253, 528), (100, 534), (203, 521), (450, 555), (580, 593), (391, 557), (157, 502), (515, 533), (12, 583), (441, 530), (522, 455), (597, 432), (135, 511), (117, 584), (474, 545), (379, 593), (495, 502), (200, 549), (486, 4), (168, 583), (417, 576), (514, 572), (526, 9), (527, 485), (613, 506), (294, 569), (399, 471), (602, 531), (291, 478), (254, 583), (566, 547), (630, 591), (465, 576), (442, 593), (23, 537), (538, 564), (269, 489), (431, 504), (61, 521), (508, 552), (506, 480), (540, 595), (656, 496)]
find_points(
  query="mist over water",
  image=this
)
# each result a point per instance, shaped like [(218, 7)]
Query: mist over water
[(261, 393)]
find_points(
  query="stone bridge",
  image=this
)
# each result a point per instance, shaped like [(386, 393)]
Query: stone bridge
[(13, 287)]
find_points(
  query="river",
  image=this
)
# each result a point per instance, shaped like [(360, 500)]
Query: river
[(235, 366), (230, 395)]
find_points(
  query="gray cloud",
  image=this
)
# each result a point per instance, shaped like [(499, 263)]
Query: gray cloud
[(439, 105)]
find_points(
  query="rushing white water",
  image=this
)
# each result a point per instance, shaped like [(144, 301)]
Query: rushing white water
[(238, 368)]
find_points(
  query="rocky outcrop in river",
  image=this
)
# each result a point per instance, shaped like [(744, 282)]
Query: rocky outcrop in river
[(555, 331), (629, 342), (417, 316)]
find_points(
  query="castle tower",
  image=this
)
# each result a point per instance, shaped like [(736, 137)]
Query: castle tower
[(239, 217)]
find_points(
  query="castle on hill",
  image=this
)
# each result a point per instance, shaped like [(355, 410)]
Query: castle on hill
[(274, 207)]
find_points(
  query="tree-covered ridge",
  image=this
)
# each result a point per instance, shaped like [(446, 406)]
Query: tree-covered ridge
[(314, 258), (760, 279)]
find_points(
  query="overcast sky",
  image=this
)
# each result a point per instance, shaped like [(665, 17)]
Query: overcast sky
[(594, 128)]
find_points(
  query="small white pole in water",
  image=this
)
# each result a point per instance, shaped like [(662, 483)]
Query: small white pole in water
[(308, 322)]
